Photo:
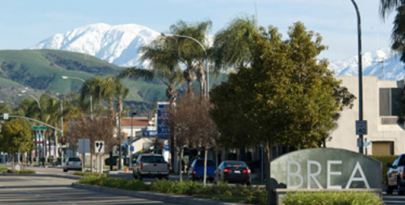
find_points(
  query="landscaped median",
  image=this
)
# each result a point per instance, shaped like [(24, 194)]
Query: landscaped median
[(9, 171), (181, 192)]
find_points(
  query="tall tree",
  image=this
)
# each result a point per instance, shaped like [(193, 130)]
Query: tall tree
[(232, 45), (199, 132), (287, 96), (16, 137), (190, 53), (398, 30)]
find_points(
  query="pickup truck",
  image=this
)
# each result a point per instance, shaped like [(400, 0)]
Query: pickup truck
[(150, 165)]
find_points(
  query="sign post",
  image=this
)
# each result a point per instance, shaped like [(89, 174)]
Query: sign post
[(84, 147), (99, 149)]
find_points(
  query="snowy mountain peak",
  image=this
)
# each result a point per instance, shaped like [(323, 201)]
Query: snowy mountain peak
[(116, 44), (383, 63), (120, 45)]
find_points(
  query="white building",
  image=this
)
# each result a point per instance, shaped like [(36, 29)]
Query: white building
[(135, 126), (380, 110)]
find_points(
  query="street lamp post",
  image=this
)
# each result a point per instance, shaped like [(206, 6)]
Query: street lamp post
[(360, 75), (38, 148), (205, 53), (91, 101)]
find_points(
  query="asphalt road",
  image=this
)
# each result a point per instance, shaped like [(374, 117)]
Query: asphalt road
[(16, 189)]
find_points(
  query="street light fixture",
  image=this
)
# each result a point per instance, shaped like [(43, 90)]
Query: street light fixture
[(360, 77), (91, 98), (37, 149), (33, 97), (205, 53)]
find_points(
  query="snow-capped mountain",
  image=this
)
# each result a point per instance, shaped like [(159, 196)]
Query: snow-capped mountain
[(382, 63), (120, 44), (115, 44)]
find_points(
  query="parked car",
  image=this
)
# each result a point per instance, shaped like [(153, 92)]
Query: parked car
[(72, 163), (233, 171), (196, 170), (396, 175), (150, 165)]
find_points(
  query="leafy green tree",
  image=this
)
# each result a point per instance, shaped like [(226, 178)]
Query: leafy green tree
[(287, 96), (16, 137), (398, 30)]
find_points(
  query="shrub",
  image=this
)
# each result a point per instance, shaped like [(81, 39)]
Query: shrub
[(80, 173), (332, 198)]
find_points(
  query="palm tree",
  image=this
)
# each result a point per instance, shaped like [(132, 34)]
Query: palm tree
[(190, 53), (231, 47), (163, 65), (398, 30)]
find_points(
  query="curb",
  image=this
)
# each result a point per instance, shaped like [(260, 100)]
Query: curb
[(154, 196), (44, 175)]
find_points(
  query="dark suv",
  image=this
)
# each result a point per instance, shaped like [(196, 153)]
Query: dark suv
[(396, 175)]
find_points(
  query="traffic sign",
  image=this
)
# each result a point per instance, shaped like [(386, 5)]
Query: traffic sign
[(366, 144), (361, 127), (39, 128), (99, 146), (5, 116), (84, 146)]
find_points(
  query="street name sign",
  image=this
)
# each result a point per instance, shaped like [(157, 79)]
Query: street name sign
[(39, 128)]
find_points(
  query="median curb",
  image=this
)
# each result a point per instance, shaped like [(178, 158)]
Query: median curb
[(183, 199), (44, 175)]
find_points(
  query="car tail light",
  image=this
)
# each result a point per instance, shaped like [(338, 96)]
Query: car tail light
[(80, 164), (194, 172), (246, 171), (227, 170), (67, 163), (168, 166), (141, 165)]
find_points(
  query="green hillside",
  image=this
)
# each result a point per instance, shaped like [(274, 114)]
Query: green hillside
[(42, 71)]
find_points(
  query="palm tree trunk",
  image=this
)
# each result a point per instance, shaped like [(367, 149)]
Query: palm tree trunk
[(201, 79)]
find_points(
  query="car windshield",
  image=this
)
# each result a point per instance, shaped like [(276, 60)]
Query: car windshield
[(235, 164), (74, 159), (152, 159), (209, 163)]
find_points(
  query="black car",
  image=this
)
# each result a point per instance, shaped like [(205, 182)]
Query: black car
[(234, 171)]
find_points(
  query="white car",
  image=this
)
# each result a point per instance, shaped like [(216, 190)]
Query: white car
[(72, 163)]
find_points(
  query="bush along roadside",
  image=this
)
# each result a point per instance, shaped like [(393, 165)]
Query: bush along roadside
[(8, 171), (80, 173), (240, 194), (332, 198)]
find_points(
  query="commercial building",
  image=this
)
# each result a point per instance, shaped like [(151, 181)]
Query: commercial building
[(381, 100)]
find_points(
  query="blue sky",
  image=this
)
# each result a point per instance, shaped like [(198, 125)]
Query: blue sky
[(24, 23)]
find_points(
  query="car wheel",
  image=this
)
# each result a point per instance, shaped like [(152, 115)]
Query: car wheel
[(248, 183), (65, 170), (389, 189), (401, 190)]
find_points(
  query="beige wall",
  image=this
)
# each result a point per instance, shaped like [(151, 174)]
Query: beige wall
[(345, 135)]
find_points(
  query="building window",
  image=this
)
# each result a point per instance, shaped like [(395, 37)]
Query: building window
[(390, 99)]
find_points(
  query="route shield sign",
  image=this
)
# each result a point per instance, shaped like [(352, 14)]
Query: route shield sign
[(99, 147)]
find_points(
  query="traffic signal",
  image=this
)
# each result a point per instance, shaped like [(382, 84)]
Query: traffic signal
[(63, 141)]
